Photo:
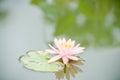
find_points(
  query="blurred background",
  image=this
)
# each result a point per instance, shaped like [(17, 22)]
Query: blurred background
[(32, 24)]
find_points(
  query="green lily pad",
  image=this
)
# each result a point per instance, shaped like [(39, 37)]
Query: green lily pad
[(38, 61)]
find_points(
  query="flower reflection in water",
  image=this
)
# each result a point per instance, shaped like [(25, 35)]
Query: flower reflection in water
[(70, 69)]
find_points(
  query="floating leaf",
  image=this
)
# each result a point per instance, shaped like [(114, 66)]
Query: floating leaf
[(38, 61)]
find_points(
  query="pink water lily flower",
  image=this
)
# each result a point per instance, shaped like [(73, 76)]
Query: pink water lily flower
[(64, 50)]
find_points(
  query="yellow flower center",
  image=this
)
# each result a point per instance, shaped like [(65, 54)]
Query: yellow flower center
[(66, 45)]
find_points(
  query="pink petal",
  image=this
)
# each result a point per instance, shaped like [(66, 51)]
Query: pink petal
[(78, 50), (54, 58), (73, 43), (76, 46), (65, 60), (69, 41), (55, 40), (53, 48), (57, 43), (59, 40), (73, 58), (63, 40), (51, 51)]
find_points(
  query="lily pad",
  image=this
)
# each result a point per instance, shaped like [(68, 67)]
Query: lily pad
[(38, 61)]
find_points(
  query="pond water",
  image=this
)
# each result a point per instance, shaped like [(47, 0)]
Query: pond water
[(24, 27)]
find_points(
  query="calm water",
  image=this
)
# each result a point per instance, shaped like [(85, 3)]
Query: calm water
[(24, 27)]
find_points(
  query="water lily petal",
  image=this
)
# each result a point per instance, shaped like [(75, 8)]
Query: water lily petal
[(69, 41), (57, 43), (76, 46), (52, 51), (78, 50), (65, 60), (73, 42), (54, 58), (73, 58), (63, 40), (53, 48)]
